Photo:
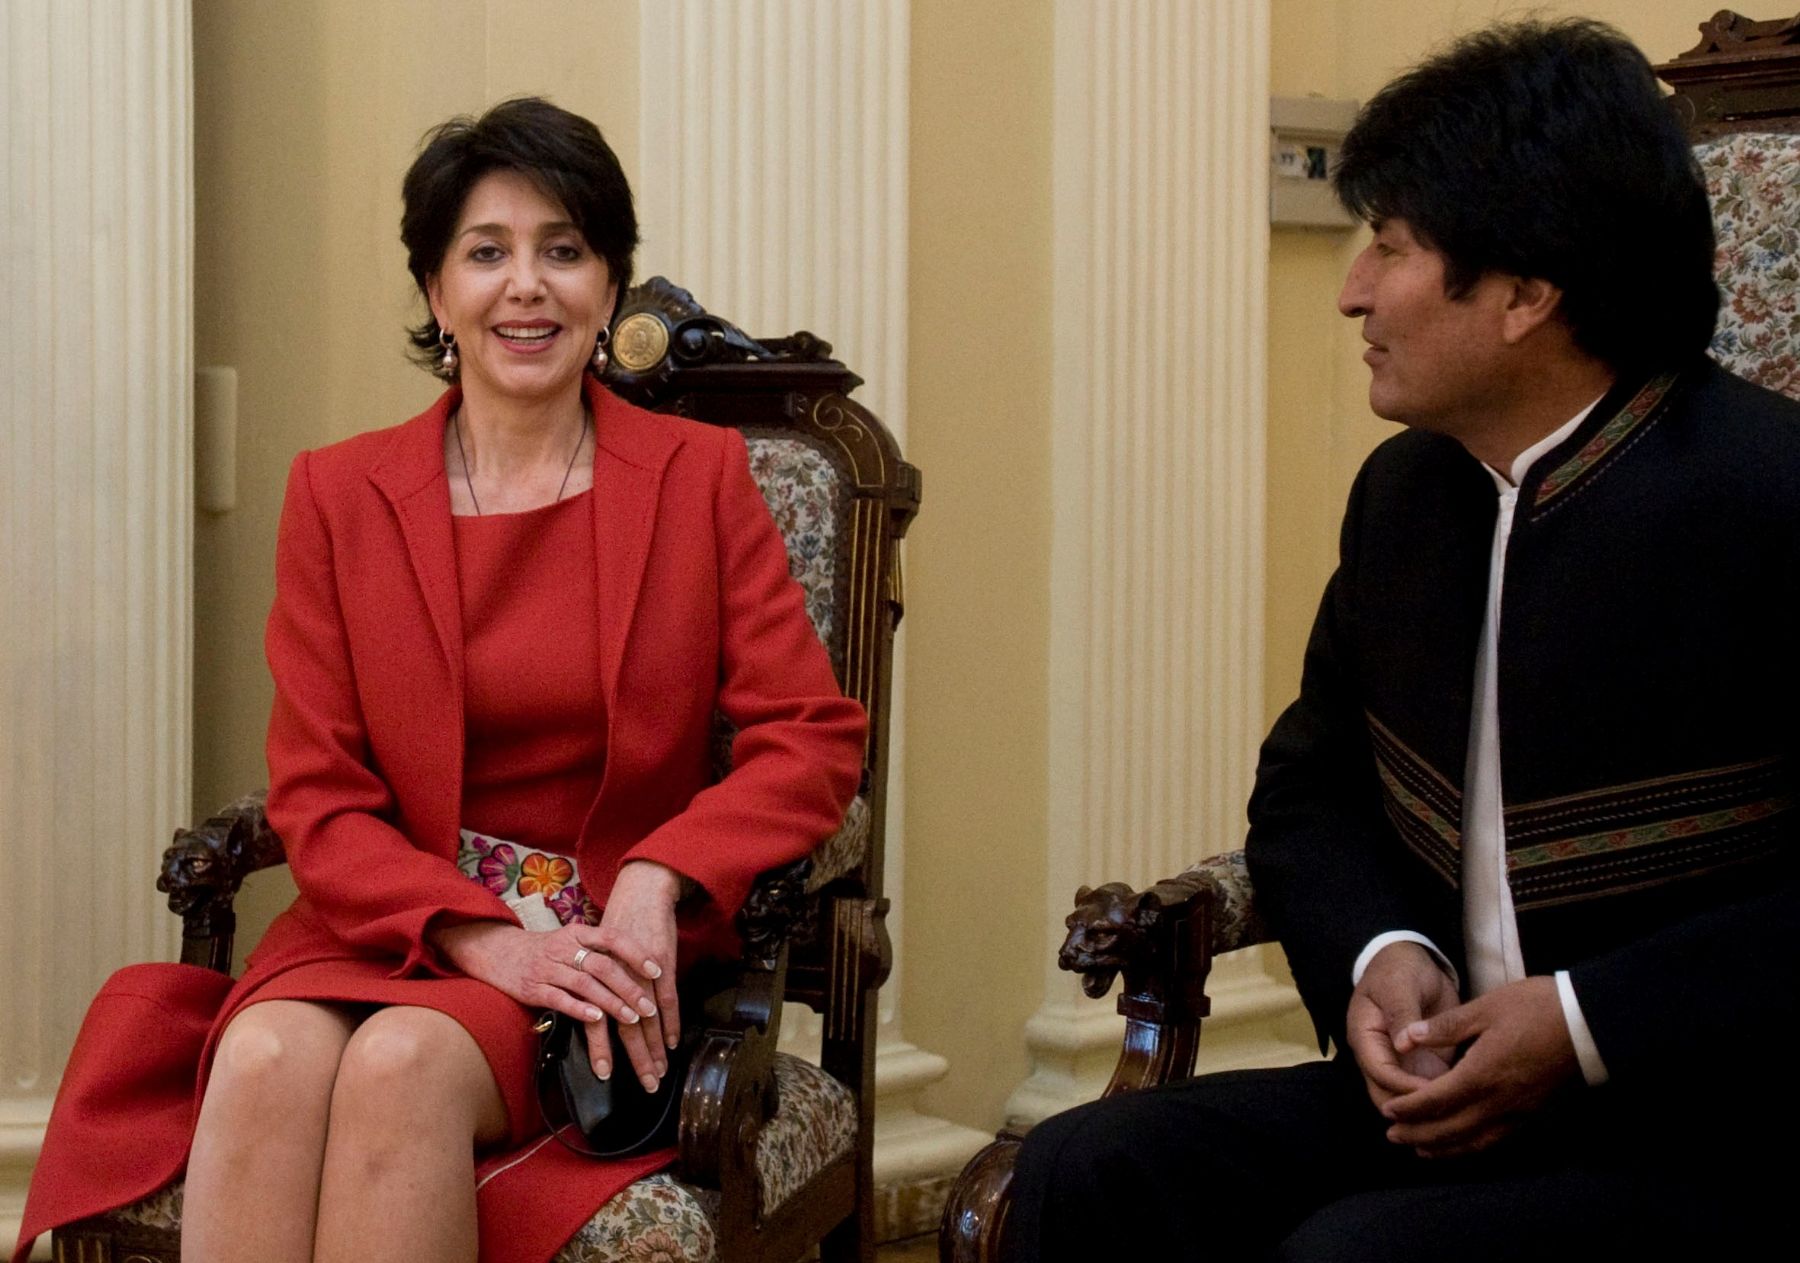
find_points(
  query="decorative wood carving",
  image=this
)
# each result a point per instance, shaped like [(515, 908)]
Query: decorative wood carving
[(777, 907), (1161, 940), (1743, 75), (661, 330), (201, 873)]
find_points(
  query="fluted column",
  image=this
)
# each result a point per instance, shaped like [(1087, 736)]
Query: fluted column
[(1161, 242), (774, 186), (96, 366)]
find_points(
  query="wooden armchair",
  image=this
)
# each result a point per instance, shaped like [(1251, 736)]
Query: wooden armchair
[(1738, 92), (774, 1152)]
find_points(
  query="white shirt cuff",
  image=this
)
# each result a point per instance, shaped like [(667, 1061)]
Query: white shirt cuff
[(1401, 936), (1593, 1069)]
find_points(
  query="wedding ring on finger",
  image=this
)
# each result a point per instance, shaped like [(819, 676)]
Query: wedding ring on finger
[(581, 955)]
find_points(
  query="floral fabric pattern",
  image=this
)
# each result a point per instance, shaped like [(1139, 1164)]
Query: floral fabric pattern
[(1753, 181), (805, 495), (659, 1219), (162, 1209), (517, 872), (656, 1220), (814, 1125), (1235, 922), (843, 851)]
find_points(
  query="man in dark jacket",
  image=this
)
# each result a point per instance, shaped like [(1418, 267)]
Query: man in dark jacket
[(1527, 836)]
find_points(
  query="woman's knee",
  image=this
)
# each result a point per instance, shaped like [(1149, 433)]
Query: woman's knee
[(405, 1064), (279, 1052), (281, 1044)]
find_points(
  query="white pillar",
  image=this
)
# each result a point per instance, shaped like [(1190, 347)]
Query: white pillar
[(1161, 245), (774, 186), (96, 540)]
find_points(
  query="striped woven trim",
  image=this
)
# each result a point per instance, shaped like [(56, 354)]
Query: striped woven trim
[(1608, 439), (1423, 806), (1646, 832)]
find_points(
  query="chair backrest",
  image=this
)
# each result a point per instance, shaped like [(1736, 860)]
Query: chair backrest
[(842, 496), (1738, 94)]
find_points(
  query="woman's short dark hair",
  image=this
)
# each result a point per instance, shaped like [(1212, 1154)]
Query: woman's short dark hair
[(562, 153), (1548, 150)]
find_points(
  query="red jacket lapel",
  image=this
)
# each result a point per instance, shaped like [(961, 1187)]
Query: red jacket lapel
[(411, 475), (630, 458)]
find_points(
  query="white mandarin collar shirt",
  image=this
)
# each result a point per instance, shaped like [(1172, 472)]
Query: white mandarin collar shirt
[(1490, 926)]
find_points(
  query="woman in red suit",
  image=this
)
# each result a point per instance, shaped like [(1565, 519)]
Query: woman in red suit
[(512, 617)]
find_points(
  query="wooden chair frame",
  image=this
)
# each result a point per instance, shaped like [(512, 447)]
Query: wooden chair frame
[(824, 946)]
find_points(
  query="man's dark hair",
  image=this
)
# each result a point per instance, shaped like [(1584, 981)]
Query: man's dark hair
[(562, 153), (1548, 150)]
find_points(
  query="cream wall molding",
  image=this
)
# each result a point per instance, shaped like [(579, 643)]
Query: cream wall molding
[(1160, 204), (773, 149), (96, 538)]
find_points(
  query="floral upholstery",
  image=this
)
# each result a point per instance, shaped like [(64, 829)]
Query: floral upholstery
[(843, 851), (659, 1219), (805, 494), (1753, 180), (159, 1210), (1235, 923)]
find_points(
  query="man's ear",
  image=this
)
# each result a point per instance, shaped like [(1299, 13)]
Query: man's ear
[(1532, 302)]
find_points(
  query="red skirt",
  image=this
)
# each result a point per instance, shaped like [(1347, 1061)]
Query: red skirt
[(125, 1112)]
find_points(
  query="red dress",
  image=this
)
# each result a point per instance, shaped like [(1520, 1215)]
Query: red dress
[(689, 610)]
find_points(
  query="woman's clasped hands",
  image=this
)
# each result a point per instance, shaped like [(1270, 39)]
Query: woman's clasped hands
[(622, 970)]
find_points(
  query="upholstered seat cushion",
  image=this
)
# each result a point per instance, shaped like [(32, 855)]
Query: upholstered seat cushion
[(659, 1218)]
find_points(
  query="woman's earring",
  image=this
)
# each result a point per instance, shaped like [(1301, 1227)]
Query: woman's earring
[(600, 341), (447, 340)]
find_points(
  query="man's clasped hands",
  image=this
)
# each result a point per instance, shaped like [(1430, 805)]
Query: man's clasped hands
[(1453, 1078)]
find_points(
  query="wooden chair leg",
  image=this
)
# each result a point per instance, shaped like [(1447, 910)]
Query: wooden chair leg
[(975, 1214)]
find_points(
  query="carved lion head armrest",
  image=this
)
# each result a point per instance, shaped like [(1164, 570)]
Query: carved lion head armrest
[(201, 873)]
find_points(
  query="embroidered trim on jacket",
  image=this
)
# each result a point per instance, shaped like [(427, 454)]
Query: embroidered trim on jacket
[(1647, 832), (1423, 805), (1606, 440)]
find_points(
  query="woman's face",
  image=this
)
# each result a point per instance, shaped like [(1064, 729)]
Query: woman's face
[(521, 291)]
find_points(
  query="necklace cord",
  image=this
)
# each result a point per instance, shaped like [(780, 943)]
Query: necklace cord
[(456, 426)]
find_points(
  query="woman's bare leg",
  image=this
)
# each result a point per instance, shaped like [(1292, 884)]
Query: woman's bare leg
[(413, 1098), (253, 1173)]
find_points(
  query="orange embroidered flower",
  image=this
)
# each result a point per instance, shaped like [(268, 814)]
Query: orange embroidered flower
[(545, 875)]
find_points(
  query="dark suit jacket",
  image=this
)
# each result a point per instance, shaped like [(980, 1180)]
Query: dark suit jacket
[(1649, 679)]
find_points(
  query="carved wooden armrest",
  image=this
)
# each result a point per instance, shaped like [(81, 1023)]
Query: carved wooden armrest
[(1115, 929), (1162, 939), (201, 873), (730, 1091)]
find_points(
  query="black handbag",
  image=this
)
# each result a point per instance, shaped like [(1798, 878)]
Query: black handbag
[(615, 1117)]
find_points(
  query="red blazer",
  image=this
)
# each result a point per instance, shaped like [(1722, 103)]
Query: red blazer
[(696, 611)]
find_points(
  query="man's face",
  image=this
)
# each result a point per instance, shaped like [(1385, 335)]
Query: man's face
[(1434, 361)]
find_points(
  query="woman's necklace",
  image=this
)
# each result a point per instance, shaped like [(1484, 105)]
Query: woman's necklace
[(456, 425)]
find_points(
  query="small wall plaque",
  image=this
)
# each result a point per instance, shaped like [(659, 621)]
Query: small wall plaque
[(1305, 134)]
